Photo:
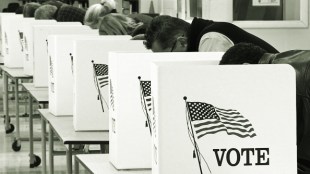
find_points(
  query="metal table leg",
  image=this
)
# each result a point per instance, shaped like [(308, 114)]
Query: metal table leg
[(9, 128), (43, 144), (16, 146), (51, 149), (34, 159), (69, 159), (76, 166)]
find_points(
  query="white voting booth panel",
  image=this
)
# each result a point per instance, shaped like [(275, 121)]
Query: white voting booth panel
[(28, 42), (60, 69), (40, 73), (224, 119), (12, 54), (1, 41), (130, 120), (90, 107)]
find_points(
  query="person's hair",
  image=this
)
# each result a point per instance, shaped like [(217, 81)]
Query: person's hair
[(68, 13), (94, 13), (45, 12), (165, 29), (20, 10), (110, 4), (58, 4), (117, 24), (243, 53), (30, 8)]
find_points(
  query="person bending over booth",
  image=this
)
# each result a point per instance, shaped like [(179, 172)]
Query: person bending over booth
[(30, 8), (96, 11), (119, 24), (170, 34), (247, 53)]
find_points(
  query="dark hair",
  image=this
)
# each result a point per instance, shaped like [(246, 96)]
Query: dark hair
[(30, 8), (243, 53), (165, 29), (19, 10)]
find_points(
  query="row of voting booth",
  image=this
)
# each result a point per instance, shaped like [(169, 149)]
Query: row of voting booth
[(169, 112)]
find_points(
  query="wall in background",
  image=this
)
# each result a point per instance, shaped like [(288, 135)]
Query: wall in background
[(285, 39)]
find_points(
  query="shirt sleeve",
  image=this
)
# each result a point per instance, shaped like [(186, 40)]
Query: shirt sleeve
[(214, 42)]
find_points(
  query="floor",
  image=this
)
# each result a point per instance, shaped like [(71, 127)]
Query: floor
[(18, 162)]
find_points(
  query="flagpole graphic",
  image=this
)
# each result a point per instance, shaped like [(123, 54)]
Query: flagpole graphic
[(101, 80), (146, 100), (193, 140)]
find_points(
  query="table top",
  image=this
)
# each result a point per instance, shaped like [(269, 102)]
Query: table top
[(15, 72), (31, 87), (63, 127), (99, 164), (39, 94)]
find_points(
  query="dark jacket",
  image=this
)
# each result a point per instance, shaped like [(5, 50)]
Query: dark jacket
[(300, 60), (199, 27)]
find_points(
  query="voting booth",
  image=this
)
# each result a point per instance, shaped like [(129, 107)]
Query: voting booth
[(60, 76), (28, 43), (40, 74), (132, 105), (1, 41), (90, 62), (224, 119), (12, 53)]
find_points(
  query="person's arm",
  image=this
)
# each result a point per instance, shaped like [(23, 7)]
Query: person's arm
[(214, 42)]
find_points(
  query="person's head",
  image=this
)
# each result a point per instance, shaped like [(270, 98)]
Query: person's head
[(30, 8), (117, 24), (167, 34), (58, 4), (243, 53), (94, 13), (109, 4), (19, 10), (45, 12), (68, 13)]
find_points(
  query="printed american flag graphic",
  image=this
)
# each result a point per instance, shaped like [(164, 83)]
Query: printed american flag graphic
[(111, 95), (146, 91), (21, 40), (146, 101), (207, 119), (101, 72), (51, 66), (101, 79)]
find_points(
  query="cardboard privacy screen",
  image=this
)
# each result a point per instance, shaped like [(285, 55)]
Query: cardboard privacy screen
[(60, 74), (224, 119), (131, 104), (12, 53), (40, 33), (90, 70), (28, 42), (2, 15)]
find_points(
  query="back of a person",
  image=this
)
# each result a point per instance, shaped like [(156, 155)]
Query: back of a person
[(68, 13), (300, 61), (238, 35)]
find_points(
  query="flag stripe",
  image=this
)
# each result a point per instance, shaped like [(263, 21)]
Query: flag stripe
[(241, 136), (103, 78), (210, 128), (211, 132), (213, 121), (242, 121), (236, 124), (101, 82)]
